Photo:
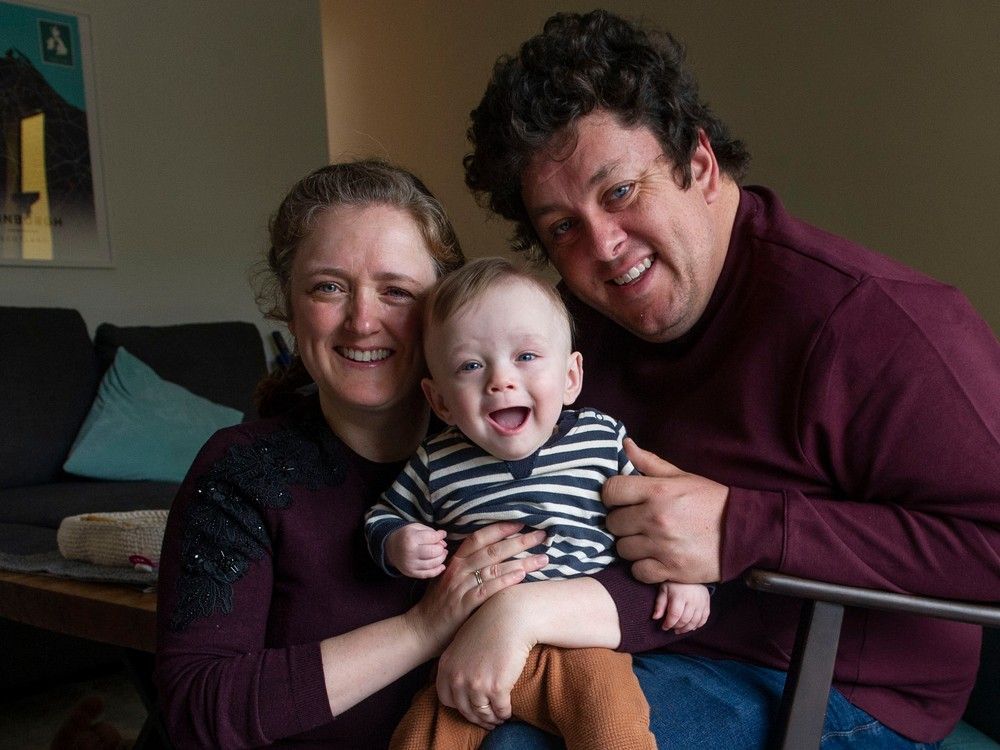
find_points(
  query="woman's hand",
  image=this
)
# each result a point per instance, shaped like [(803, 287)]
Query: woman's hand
[(478, 670), (362, 661), (479, 569)]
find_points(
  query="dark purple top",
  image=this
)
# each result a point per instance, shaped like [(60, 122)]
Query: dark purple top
[(851, 405), (263, 558)]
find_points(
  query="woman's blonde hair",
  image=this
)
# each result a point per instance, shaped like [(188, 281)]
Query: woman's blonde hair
[(367, 182)]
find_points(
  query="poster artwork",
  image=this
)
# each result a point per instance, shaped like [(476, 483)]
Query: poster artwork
[(51, 205)]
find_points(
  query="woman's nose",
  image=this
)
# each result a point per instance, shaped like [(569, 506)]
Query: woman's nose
[(362, 316)]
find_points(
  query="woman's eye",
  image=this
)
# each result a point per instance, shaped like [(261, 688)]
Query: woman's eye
[(527, 357), (469, 366), (328, 287), (399, 293), (561, 228)]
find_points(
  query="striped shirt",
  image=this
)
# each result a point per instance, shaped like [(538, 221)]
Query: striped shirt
[(451, 483)]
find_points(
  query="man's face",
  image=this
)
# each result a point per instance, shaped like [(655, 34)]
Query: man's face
[(624, 236)]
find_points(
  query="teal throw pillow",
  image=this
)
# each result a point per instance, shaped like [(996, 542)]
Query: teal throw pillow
[(143, 427)]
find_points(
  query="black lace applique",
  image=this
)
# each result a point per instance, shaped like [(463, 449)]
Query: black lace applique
[(224, 529)]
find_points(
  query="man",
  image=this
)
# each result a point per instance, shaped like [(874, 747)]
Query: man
[(805, 405)]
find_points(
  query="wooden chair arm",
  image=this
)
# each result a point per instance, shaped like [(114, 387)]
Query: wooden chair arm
[(852, 596), (807, 688)]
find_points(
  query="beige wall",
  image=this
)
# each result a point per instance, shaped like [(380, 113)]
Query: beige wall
[(208, 112), (877, 121)]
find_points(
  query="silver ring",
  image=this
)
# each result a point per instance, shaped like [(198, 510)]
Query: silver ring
[(479, 582), (482, 707)]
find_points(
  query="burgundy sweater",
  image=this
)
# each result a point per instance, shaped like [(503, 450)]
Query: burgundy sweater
[(263, 558), (852, 406)]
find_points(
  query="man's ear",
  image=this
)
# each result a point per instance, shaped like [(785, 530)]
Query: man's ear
[(436, 401), (574, 378), (705, 168)]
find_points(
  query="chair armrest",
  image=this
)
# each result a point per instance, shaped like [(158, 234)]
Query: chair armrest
[(807, 687), (851, 596)]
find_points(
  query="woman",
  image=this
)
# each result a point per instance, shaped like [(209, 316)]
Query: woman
[(274, 626)]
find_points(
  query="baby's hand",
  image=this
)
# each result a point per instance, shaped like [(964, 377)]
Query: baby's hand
[(683, 606), (417, 551)]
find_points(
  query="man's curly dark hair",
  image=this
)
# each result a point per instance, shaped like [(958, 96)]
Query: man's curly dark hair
[(578, 64)]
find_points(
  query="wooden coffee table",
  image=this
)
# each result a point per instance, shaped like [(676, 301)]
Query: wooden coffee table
[(115, 614)]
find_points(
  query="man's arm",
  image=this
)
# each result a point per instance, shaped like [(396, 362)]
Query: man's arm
[(903, 424)]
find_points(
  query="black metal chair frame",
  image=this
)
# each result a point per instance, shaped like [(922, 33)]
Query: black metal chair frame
[(807, 689)]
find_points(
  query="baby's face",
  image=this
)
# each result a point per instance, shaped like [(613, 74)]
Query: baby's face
[(502, 370)]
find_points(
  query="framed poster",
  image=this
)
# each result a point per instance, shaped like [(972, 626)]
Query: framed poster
[(51, 198)]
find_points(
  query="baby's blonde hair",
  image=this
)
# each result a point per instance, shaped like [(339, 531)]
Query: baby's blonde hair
[(473, 280)]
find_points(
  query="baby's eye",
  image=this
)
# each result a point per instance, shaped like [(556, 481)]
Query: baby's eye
[(527, 357), (469, 366)]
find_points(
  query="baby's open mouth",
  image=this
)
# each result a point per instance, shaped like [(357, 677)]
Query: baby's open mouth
[(510, 418)]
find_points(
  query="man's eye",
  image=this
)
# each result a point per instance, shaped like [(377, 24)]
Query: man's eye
[(620, 191), (527, 357), (469, 366), (399, 293)]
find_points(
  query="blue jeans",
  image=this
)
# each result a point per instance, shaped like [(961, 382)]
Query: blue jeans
[(704, 704)]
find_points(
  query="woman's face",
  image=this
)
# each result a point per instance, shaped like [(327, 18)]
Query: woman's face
[(356, 291)]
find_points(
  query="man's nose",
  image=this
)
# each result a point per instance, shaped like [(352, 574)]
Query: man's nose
[(607, 238)]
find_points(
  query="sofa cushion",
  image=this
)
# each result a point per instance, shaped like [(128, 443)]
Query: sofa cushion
[(23, 539), (45, 505), (144, 427), (48, 380), (222, 362)]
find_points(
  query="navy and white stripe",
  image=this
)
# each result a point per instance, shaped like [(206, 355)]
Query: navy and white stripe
[(453, 484)]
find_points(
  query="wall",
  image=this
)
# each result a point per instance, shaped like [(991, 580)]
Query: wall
[(877, 121), (208, 112)]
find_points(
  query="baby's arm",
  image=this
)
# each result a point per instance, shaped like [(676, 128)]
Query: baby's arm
[(417, 551), (683, 606)]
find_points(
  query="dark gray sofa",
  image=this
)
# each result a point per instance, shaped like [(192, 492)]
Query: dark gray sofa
[(49, 374)]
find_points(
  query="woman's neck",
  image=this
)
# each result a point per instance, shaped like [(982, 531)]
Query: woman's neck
[(382, 436)]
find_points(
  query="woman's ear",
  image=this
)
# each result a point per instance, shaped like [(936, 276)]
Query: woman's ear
[(436, 401), (574, 377)]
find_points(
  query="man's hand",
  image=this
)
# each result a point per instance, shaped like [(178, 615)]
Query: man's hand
[(417, 551), (667, 521)]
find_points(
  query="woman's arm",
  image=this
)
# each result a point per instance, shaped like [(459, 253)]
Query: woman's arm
[(385, 651), (224, 683), (489, 651)]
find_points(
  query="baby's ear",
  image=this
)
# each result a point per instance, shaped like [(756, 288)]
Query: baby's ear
[(436, 401), (574, 377)]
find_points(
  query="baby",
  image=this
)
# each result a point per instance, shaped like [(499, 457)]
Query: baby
[(498, 343)]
